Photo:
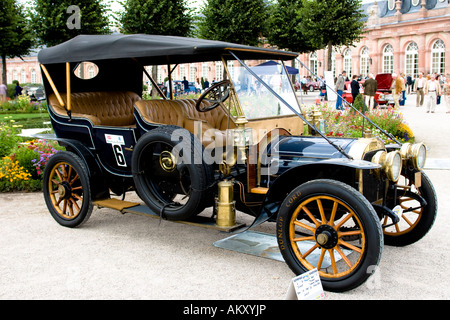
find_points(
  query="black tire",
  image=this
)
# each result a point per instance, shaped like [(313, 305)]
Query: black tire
[(413, 224), (346, 231), (66, 189), (178, 189)]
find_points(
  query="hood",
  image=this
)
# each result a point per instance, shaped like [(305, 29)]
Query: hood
[(384, 81)]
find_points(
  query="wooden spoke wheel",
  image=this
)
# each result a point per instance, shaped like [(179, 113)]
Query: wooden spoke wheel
[(66, 189), (328, 225), (416, 216)]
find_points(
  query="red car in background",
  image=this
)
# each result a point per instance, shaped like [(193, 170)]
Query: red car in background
[(383, 96)]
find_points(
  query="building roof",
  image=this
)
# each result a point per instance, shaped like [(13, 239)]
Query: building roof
[(408, 6)]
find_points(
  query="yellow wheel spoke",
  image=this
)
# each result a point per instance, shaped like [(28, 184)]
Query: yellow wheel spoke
[(310, 215), (333, 261), (322, 213), (333, 213), (322, 255), (302, 225), (344, 257), (303, 239), (307, 253), (350, 246)]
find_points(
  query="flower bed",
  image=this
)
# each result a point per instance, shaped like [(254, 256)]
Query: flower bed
[(22, 162), (350, 124)]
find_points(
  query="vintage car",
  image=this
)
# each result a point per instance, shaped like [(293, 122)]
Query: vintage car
[(244, 144), (383, 96)]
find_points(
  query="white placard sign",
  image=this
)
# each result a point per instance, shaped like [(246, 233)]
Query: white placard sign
[(306, 286), (331, 95)]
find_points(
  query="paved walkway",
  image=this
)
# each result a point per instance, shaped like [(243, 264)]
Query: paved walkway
[(431, 128)]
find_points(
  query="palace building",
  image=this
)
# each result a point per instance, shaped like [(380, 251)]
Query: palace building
[(402, 36)]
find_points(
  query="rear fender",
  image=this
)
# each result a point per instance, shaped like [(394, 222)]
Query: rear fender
[(342, 170), (99, 188)]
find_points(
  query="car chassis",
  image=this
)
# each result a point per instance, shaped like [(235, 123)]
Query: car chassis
[(341, 198)]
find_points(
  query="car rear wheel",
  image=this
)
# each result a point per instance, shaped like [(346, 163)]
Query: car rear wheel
[(329, 226), (67, 190), (169, 173), (416, 218)]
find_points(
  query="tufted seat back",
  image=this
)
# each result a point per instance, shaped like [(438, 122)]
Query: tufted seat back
[(161, 111), (101, 108), (184, 114)]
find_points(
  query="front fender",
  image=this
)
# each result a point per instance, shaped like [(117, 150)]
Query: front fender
[(343, 170)]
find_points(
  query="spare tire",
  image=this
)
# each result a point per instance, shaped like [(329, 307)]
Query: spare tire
[(169, 173)]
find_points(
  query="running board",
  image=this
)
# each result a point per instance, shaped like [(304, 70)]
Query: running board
[(140, 209)]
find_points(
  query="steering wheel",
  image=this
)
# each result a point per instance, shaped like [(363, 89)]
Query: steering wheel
[(216, 94)]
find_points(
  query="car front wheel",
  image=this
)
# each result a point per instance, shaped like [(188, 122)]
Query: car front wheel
[(329, 226)]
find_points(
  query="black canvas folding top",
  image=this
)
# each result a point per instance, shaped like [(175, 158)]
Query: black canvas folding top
[(152, 50)]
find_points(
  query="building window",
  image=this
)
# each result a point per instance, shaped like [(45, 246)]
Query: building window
[(159, 78), (364, 62), (192, 71), (415, 2), (313, 62), (230, 66), (412, 60), (348, 62), (182, 71), (33, 76), (205, 70), (391, 5), (438, 57), (14, 75), (388, 59), (23, 76), (219, 71)]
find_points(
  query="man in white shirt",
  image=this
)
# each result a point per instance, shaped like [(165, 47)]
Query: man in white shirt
[(432, 90), (419, 84)]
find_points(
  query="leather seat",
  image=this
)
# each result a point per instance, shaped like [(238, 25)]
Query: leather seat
[(101, 108), (183, 113)]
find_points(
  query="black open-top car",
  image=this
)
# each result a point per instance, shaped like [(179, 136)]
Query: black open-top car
[(244, 144)]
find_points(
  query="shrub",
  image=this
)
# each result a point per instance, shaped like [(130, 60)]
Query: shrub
[(8, 136)]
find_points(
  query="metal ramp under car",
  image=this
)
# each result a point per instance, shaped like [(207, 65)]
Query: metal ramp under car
[(265, 245)]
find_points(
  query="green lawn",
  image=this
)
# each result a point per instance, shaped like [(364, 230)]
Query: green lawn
[(27, 120)]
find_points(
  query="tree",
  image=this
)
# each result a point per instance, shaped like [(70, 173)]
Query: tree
[(328, 23), (57, 21), (17, 36), (237, 21), (283, 28), (160, 17)]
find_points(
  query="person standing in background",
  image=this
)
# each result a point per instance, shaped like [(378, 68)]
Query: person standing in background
[(432, 90), (419, 84), (409, 84), (3, 92), (340, 85), (370, 88), (446, 93), (397, 87), (354, 85)]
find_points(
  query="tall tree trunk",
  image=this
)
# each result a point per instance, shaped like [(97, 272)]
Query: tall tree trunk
[(330, 56), (154, 92), (4, 70)]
